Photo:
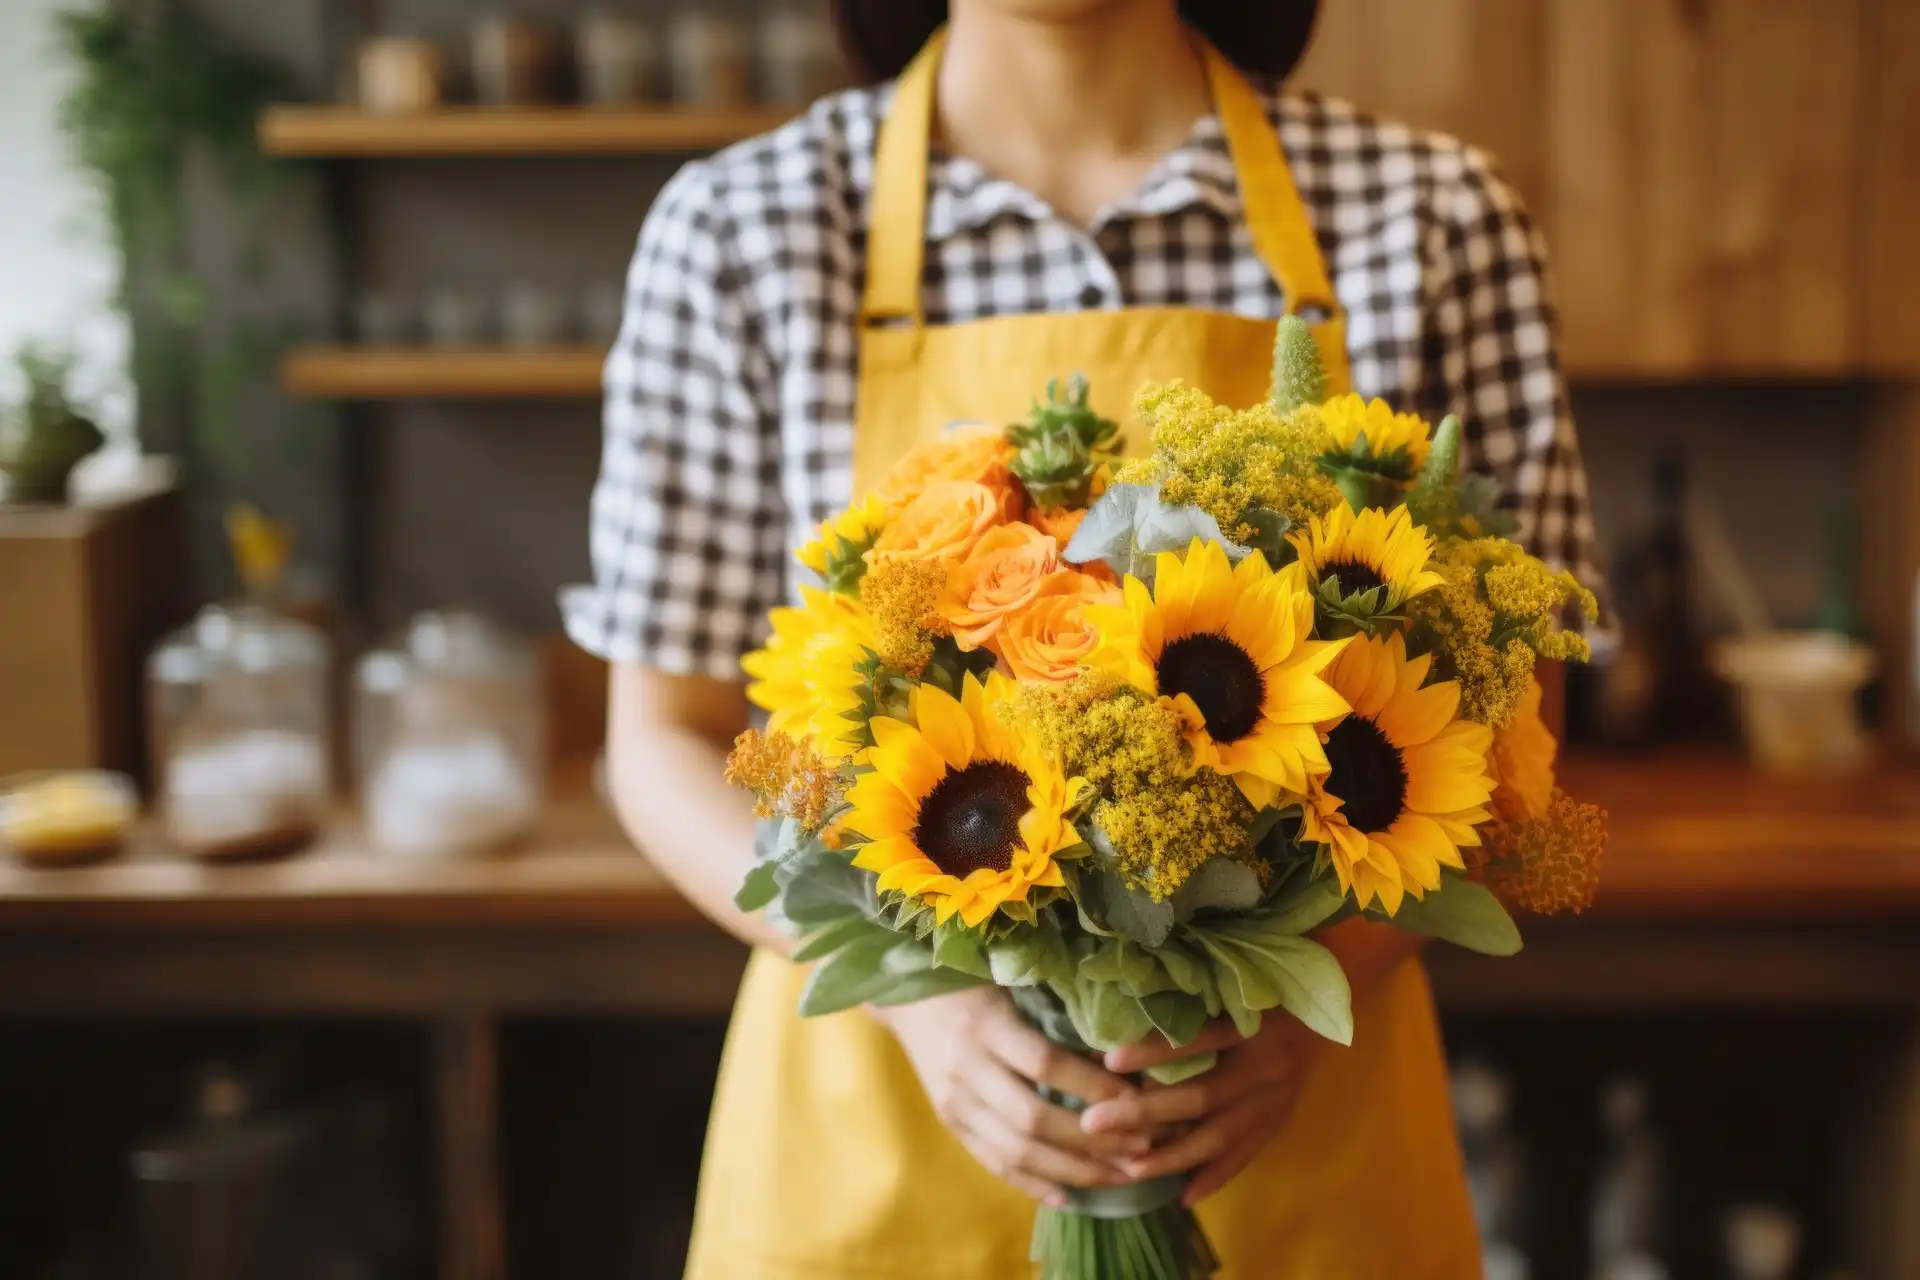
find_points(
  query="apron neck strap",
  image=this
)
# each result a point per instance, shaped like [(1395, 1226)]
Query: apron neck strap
[(896, 237)]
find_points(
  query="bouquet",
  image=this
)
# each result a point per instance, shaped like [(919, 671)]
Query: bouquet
[(1120, 736)]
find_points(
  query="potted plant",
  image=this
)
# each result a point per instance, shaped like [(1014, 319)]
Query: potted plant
[(44, 437)]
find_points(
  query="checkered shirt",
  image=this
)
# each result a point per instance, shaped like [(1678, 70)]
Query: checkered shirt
[(730, 391)]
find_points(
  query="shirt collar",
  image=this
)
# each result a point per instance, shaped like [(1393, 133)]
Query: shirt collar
[(963, 197)]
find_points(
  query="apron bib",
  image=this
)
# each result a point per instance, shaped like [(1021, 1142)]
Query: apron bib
[(824, 1158)]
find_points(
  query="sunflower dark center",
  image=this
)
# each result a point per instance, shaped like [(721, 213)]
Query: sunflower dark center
[(1354, 576), (1367, 774), (971, 818), (1220, 678)]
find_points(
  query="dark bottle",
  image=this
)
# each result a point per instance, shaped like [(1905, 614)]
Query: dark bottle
[(1656, 686)]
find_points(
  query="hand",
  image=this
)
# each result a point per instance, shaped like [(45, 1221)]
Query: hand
[(979, 1063), (1233, 1109)]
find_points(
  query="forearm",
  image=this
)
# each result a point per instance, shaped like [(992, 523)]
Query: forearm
[(669, 789), (1369, 951)]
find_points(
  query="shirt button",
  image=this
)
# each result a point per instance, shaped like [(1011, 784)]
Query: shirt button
[(1091, 296)]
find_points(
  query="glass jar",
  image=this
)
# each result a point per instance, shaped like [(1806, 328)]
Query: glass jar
[(450, 738), (238, 705)]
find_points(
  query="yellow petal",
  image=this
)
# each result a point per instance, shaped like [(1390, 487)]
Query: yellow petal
[(945, 725)]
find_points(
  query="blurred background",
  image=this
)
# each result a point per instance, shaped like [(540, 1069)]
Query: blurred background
[(320, 956)]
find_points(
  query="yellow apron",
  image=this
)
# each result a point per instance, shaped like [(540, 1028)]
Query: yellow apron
[(824, 1158)]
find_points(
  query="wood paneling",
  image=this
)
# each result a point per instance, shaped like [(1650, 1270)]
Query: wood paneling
[(388, 373), (1889, 271), (345, 132)]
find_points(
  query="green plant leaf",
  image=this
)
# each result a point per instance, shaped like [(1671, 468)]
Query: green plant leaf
[(841, 933), (1465, 913), (1305, 906), (924, 985), (1029, 956), (760, 887), (1176, 1015), (1260, 970), (1183, 1068), (1220, 884), (853, 975), (957, 947)]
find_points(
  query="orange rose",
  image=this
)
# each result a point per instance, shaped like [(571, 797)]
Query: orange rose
[(977, 453), (1001, 575), (1060, 524), (1050, 638), (943, 523)]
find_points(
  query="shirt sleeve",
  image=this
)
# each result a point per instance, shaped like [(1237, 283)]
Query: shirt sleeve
[(688, 522), (1490, 355)]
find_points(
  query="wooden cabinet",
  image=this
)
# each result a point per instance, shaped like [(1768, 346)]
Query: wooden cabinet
[(1726, 186)]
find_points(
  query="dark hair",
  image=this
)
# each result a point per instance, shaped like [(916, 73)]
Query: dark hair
[(879, 37)]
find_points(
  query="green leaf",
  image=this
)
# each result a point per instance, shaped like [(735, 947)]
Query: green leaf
[(1465, 913), (1029, 956), (1220, 884), (760, 888), (957, 947), (1183, 1068), (853, 975), (841, 933), (924, 986), (1305, 907), (1259, 970), (1114, 908), (1176, 1015)]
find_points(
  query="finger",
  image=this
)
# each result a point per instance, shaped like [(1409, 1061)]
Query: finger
[(1010, 1151), (1190, 1100), (1155, 1049), (1005, 1170), (1208, 1142), (1032, 1055), (1014, 1100), (1216, 1173)]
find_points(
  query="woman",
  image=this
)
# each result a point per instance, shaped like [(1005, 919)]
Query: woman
[(1061, 185)]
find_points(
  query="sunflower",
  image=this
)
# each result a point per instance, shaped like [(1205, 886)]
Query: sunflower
[(839, 545), (1408, 779), (1370, 435), (961, 813), (1228, 646), (1366, 565), (809, 673)]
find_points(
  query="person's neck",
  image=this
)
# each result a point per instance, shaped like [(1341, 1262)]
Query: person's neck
[(1076, 110)]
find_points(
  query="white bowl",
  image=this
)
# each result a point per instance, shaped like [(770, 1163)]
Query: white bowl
[(1798, 698)]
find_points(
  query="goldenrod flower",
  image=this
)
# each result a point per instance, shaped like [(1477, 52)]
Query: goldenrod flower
[(1396, 443), (1229, 462), (1522, 760), (961, 813), (1124, 741), (1229, 646), (1407, 780), (1160, 838), (1374, 550), (1549, 863), (788, 777), (808, 674), (902, 598)]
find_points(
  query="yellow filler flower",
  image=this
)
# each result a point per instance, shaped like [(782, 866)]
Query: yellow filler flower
[(1408, 779), (1372, 549), (808, 674), (1228, 645), (962, 813)]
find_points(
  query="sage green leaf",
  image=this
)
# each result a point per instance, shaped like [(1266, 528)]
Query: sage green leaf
[(1304, 907), (1465, 913), (1100, 892), (760, 887), (1220, 884), (957, 947), (1028, 957), (1260, 970), (853, 975), (1183, 1068), (830, 938), (1186, 971), (1176, 1015), (1103, 1015), (924, 986)]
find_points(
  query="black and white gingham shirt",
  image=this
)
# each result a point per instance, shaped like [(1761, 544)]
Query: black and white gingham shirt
[(730, 392)]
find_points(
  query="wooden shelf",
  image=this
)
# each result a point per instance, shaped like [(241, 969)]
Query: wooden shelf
[(1696, 836), (382, 373), (347, 132)]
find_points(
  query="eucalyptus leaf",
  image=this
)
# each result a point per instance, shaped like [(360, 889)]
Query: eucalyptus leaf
[(1465, 913), (1260, 970), (1106, 532), (1114, 907), (1158, 528)]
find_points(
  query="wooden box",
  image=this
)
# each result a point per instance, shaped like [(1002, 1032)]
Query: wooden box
[(85, 592)]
